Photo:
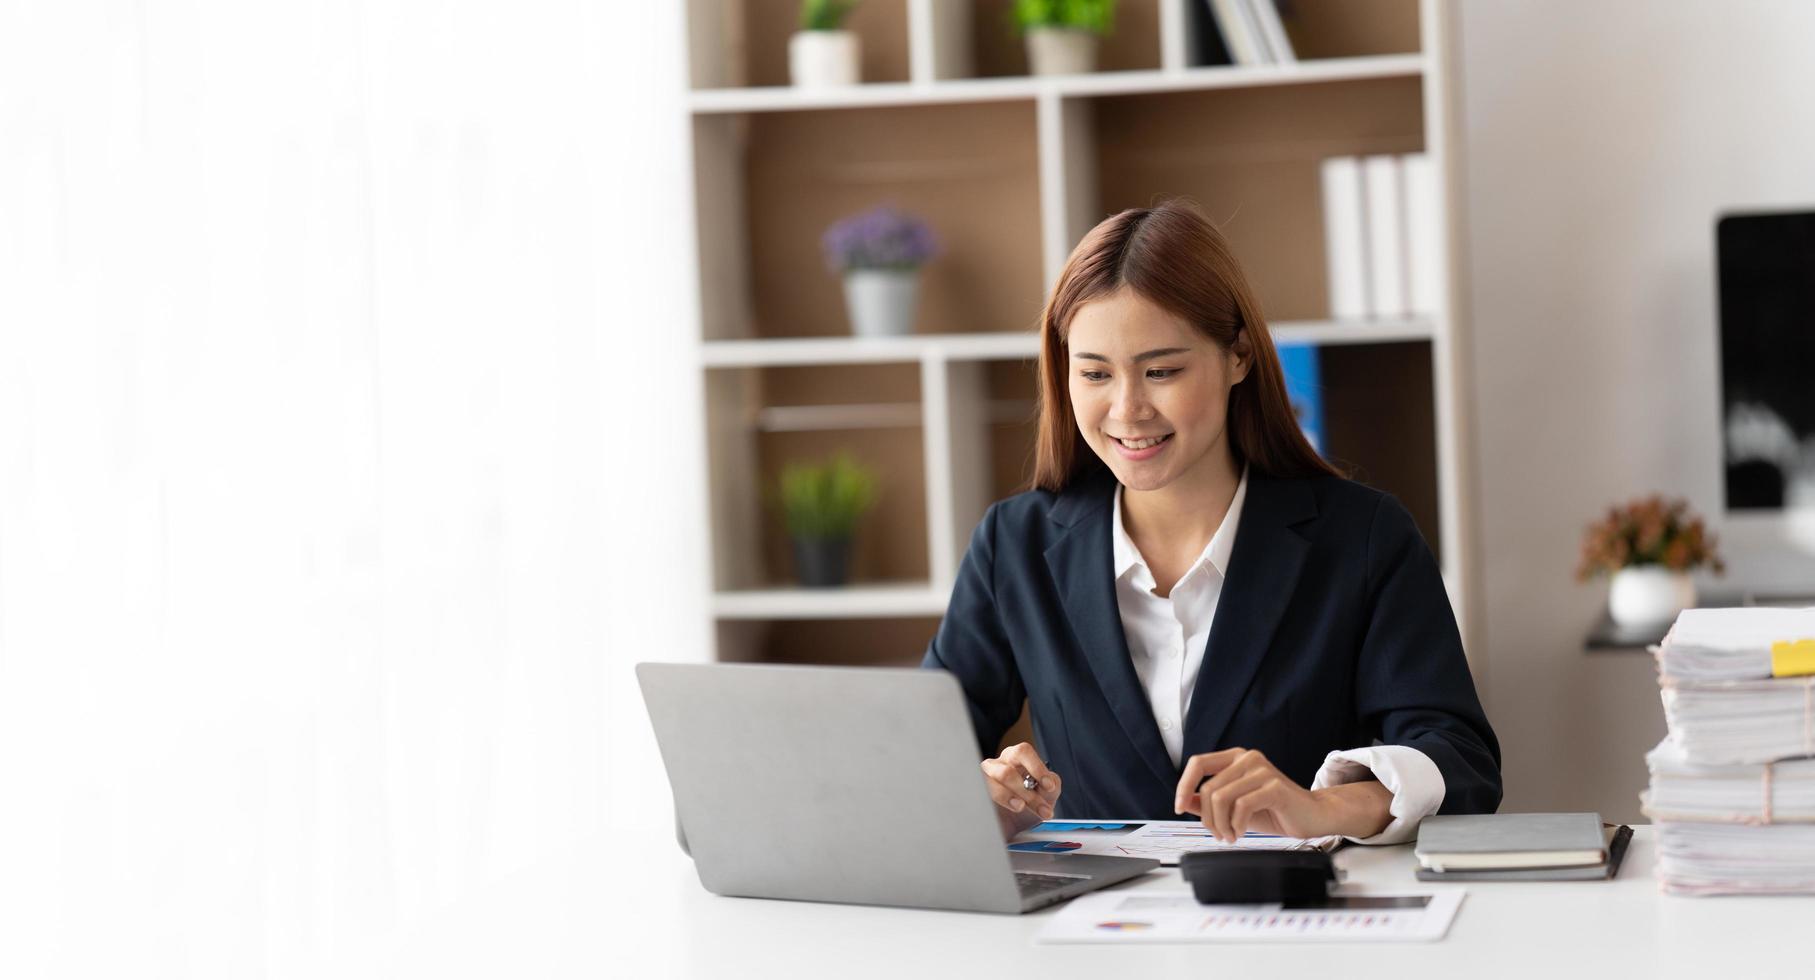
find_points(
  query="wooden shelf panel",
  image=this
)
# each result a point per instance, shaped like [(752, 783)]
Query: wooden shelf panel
[(1348, 28), (1018, 345), (788, 99)]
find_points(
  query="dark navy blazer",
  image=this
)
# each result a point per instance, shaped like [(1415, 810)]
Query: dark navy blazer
[(1333, 632)]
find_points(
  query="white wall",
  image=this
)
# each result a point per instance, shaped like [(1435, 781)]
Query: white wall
[(346, 464), (1599, 142)]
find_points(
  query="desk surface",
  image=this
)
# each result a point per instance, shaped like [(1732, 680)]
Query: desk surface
[(644, 914)]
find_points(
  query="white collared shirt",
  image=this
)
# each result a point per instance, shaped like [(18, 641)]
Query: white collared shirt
[(1167, 636)]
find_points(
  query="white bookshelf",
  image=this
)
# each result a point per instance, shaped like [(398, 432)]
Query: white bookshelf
[(1012, 170)]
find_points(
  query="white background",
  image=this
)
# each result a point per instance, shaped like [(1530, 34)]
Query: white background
[(348, 459)]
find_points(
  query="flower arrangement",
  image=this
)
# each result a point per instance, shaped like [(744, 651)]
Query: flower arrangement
[(1648, 531), (825, 501), (825, 15), (1095, 16), (880, 238)]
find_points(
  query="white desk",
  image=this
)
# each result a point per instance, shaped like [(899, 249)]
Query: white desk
[(644, 914)]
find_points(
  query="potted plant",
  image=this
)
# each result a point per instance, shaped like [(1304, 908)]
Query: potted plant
[(822, 504), (1062, 35), (1648, 546), (822, 53), (879, 253)]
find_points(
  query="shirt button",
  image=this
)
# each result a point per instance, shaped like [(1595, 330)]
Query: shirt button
[(1166, 725)]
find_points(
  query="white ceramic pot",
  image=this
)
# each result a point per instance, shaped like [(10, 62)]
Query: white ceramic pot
[(1648, 595), (820, 59), (881, 301), (1061, 51)]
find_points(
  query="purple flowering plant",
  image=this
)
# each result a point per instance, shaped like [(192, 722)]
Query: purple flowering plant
[(880, 238)]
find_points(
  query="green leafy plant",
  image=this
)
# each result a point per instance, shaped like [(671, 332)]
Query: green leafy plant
[(1096, 16), (1649, 531), (826, 500), (825, 15)]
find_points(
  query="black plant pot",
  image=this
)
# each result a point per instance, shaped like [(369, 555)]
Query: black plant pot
[(822, 562)]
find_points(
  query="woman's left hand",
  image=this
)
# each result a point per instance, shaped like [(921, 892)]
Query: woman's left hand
[(1242, 791)]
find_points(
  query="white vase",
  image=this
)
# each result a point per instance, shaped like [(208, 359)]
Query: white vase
[(821, 59), (1649, 595), (881, 301), (1061, 51)]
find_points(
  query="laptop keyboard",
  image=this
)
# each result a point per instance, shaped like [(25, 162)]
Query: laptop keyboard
[(1034, 885)]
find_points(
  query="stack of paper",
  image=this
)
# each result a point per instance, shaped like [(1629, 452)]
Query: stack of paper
[(1739, 722), (1733, 784), (1734, 859), (1735, 644), (1782, 792)]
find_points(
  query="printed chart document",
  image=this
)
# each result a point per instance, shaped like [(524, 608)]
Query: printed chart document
[(1164, 840), (1176, 917)]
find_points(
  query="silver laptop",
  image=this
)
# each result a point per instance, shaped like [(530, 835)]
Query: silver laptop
[(845, 784)]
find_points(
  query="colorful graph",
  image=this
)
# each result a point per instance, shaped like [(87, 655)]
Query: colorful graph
[(1124, 926)]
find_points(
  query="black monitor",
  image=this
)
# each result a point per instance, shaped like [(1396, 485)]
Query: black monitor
[(1767, 360)]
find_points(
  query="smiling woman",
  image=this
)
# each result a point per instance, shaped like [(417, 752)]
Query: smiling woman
[(1201, 614), (1167, 276)]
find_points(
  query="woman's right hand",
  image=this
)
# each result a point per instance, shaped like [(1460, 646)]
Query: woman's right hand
[(1006, 776)]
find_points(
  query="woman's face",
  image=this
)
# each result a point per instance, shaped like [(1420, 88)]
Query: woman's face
[(1151, 394)]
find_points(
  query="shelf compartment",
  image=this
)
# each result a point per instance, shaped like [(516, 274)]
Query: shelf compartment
[(1001, 51), (1353, 28), (736, 43), (1318, 29), (823, 410), (770, 184), (1251, 159)]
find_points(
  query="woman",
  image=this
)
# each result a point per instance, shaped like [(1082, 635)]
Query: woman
[(1202, 615)]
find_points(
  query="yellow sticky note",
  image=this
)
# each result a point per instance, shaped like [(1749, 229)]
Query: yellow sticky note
[(1792, 658)]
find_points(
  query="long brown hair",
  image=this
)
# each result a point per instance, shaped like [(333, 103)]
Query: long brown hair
[(1174, 257)]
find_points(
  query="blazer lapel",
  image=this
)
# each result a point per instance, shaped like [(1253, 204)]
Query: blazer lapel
[(1081, 564), (1263, 571)]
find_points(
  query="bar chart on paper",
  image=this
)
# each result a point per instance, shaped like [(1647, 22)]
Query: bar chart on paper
[(1172, 918)]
